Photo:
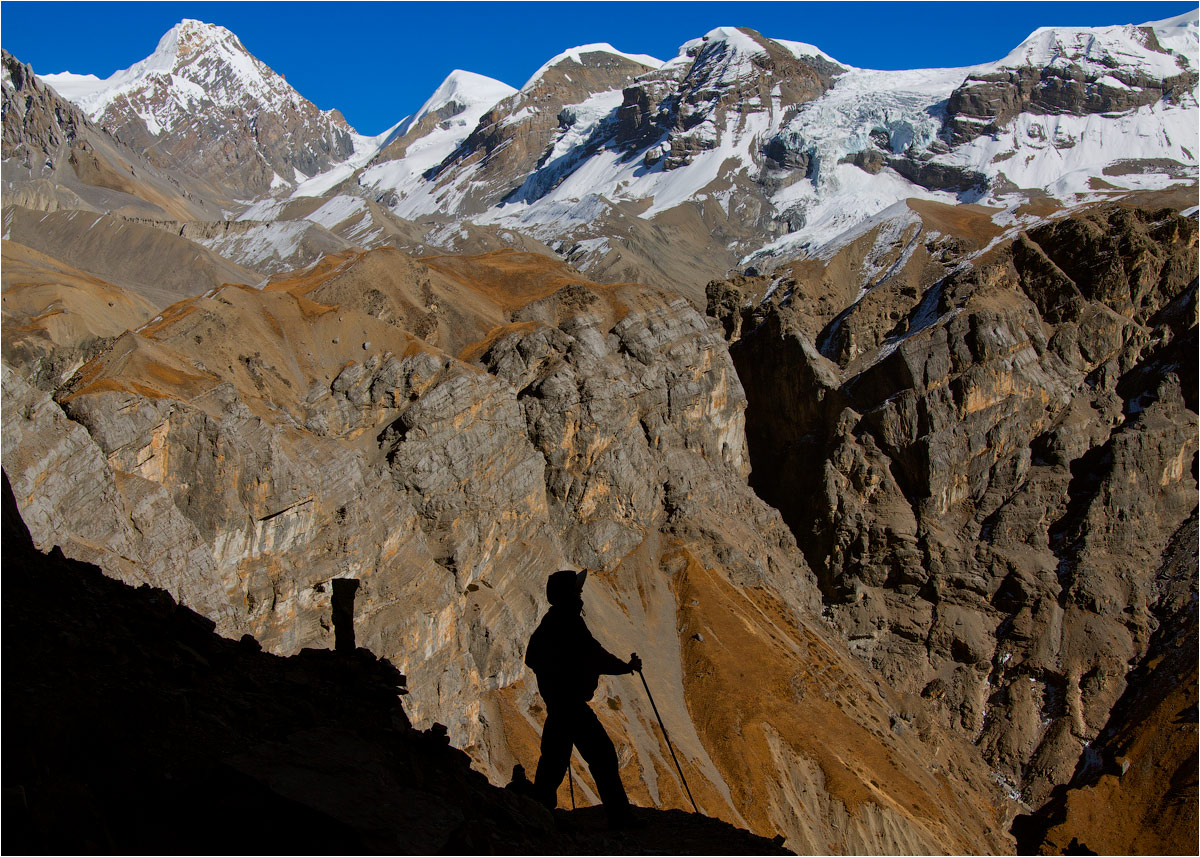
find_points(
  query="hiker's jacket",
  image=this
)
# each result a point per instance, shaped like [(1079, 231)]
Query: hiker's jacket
[(567, 659)]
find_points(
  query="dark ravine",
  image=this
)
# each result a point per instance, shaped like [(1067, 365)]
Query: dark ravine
[(1135, 789), (987, 495)]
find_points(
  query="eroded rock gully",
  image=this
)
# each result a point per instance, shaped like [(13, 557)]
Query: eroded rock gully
[(986, 482), (248, 448)]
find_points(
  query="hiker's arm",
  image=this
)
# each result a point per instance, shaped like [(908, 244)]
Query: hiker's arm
[(609, 664)]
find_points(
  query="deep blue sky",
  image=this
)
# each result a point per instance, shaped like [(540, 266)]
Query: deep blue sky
[(377, 62)]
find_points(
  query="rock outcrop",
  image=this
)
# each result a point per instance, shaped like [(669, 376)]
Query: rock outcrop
[(1073, 73), (73, 499)]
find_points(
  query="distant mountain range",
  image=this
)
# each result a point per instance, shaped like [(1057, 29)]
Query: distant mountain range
[(741, 150)]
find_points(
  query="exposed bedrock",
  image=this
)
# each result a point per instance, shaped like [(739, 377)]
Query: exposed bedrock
[(986, 496)]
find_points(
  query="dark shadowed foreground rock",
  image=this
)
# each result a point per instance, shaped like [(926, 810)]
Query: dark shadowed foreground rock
[(131, 727)]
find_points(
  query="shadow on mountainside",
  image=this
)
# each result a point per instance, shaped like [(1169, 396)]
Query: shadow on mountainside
[(130, 727)]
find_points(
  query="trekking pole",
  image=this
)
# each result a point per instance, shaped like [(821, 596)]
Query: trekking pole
[(668, 737)]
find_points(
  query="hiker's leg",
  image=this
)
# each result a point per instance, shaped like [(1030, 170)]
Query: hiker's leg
[(597, 750), (556, 755)]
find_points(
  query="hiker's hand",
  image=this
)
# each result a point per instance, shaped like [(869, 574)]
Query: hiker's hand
[(635, 663)]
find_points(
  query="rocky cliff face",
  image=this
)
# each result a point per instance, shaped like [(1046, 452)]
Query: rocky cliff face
[(157, 725), (1135, 787), (72, 498), (692, 104), (985, 464), (901, 528), (307, 434)]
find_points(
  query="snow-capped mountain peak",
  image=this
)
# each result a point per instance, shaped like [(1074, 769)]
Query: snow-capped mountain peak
[(191, 35), (94, 93), (421, 142), (193, 61), (736, 38), (462, 91), (726, 54), (183, 41), (200, 86), (772, 141), (715, 43)]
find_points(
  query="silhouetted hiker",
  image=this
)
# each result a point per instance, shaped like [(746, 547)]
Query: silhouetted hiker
[(568, 663)]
